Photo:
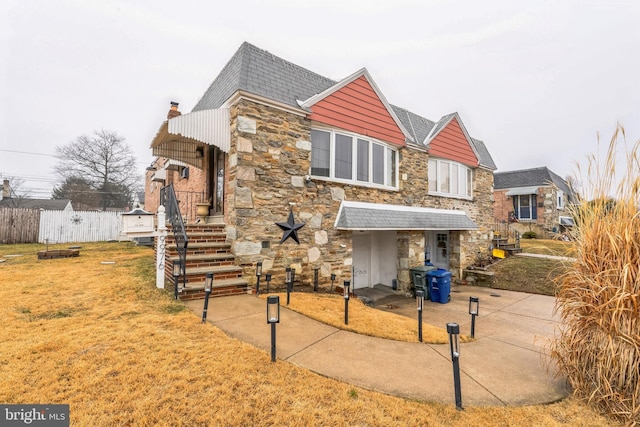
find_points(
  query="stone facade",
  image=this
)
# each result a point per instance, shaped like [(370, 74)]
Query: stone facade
[(264, 179), (267, 163)]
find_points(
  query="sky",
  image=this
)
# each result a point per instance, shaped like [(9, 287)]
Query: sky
[(537, 81)]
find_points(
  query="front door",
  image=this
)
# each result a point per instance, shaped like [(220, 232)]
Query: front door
[(438, 248), (361, 259), (216, 180)]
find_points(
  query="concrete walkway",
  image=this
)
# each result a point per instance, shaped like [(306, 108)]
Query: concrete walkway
[(506, 365), (553, 257)]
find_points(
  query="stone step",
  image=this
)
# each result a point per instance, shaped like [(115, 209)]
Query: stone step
[(214, 247), (220, 288), (204, 257), (221, 283), (206, 260), (197, 271)]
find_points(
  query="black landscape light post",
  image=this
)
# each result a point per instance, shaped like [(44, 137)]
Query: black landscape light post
[(208, 285), (268, 279), (333, 279), (474, 310), (454, 343), (176, 272), (315, 279), (346, 301), (273, 317), (420, 304), (293, 278), (258, 274), (288, 280)]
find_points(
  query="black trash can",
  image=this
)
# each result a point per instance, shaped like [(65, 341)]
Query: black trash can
[(419, 278), (439, 285)]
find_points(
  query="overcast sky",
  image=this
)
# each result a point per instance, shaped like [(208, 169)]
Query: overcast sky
[(535, 80)]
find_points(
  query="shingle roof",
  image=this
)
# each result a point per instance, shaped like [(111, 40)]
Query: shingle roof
[(418, 126), (485, 157), (541, 176), (46, 204), (373, 216), (261, 73)]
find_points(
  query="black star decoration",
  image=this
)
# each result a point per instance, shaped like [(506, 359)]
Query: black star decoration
[(290, 228)]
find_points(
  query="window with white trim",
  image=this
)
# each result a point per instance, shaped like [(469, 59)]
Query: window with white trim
[(352, 158), (560, 197), (451, 179)]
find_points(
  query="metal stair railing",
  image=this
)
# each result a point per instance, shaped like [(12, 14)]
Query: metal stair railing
[(174, 217), (505, 231)]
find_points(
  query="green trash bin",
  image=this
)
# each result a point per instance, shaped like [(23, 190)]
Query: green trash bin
[(420, 280)]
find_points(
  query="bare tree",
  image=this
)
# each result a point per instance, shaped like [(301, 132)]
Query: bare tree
[(105, 161), (574, 185)]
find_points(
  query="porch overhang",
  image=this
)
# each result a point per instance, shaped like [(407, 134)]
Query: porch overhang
[(521, 191), (182, 138), (373, 216)]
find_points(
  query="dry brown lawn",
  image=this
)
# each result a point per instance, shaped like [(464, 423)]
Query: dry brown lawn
[(329, 309), (548, 247), (103, 339)]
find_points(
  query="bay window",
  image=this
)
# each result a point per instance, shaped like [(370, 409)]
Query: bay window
[(450, 179), (352, 158)]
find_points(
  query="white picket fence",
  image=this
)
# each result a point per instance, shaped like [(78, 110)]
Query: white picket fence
[(79, 226)]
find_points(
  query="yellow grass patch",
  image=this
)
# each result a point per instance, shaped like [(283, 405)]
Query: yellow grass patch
[(364, 320), (548, 247), (104, 340)]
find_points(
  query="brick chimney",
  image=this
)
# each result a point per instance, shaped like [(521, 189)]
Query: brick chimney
[(173, 111)]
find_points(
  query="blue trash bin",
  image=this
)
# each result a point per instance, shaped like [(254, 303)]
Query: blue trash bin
[(439, 285)]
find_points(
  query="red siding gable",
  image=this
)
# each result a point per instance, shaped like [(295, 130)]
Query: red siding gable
[(451, 143), (356, 107)]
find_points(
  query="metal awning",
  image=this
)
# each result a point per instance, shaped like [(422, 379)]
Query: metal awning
[(180, 137), (521, 191), (373, 216)]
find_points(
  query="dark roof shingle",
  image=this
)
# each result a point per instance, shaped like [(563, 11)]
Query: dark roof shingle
[(541, 176), (261, 73)]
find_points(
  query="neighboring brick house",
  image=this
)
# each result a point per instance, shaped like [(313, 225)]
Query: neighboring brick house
[(379, 188), (534, 197)]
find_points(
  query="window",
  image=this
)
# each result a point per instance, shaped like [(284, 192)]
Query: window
[(320, 153), (377, 164), (560, 197), (525, 207), (352, 158), (363, 160), (344, 156), (447, 178)]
